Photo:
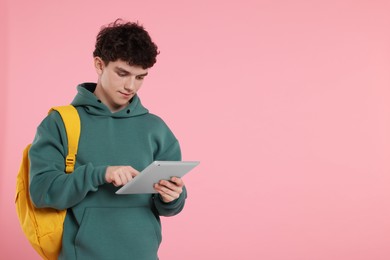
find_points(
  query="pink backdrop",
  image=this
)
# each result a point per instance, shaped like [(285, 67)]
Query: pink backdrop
[(285, 103)]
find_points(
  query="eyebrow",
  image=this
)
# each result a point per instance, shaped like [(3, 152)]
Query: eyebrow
[(128, 72)]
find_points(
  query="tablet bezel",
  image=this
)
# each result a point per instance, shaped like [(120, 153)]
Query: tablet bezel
[(156, 171)]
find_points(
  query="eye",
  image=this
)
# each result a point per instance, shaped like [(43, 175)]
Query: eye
[(121, 74), (140, 77)]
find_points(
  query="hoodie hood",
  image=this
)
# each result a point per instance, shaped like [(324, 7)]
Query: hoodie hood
[(92, 105)]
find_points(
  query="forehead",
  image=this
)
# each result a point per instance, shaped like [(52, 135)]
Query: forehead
[(124, 66)]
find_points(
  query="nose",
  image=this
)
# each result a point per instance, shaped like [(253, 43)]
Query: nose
[(130, 84)]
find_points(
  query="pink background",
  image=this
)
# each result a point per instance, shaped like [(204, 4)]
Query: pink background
[(285, 103)]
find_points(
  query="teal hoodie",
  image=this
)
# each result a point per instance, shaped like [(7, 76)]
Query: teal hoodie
[(100, 224)]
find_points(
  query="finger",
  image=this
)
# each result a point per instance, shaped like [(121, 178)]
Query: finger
[(172, 191), (110, 178), (178, 181), (128, 177), (132, 171), (172, 186), (117, 180), (124, 175), (123, 178), (166, 197)]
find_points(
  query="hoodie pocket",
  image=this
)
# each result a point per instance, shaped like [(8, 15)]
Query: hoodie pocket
[(118, 233)]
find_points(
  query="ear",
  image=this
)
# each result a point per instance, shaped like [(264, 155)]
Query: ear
[(99, 65)]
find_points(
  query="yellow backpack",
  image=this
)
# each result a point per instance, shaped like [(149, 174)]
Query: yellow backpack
[(43, 227)]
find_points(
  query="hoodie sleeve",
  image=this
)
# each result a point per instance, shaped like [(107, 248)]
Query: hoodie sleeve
[(50, 186), (172, 153)]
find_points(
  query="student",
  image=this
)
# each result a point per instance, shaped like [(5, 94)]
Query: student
[(118, 137)]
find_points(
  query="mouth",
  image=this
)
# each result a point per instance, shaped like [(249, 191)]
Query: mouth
[(126, 95)]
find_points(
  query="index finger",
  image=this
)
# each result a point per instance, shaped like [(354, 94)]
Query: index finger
[(132, 171)]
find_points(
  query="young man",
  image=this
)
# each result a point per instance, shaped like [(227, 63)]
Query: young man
[(118, 137)]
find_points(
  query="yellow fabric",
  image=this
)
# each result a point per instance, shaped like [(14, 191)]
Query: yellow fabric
[(43, 227), (69, 114)]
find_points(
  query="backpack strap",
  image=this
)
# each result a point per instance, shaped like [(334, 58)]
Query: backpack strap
[(71, 120)]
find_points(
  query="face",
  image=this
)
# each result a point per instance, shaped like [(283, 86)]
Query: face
[(117, 82)]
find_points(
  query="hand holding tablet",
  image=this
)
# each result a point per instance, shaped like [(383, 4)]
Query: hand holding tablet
[(156, 171)]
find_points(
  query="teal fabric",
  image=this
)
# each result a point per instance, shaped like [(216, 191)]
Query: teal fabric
[(100, 224)]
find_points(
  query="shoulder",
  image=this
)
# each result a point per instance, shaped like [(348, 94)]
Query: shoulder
[(52, 126), (155, 120), (159, 127), (50, 133), (53, 119)]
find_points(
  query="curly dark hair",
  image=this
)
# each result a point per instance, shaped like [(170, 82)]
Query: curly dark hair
[(126, 41)]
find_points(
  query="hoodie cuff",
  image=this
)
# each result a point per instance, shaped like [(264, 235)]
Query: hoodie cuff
[(170, 208), (99, 175)]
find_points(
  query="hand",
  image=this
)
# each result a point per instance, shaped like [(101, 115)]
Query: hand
[(120, 175), (169, 190)]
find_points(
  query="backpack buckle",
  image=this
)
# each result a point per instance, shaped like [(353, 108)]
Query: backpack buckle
[(70, 161)]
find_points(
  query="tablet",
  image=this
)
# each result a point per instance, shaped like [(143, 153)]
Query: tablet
[(156, 171)]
